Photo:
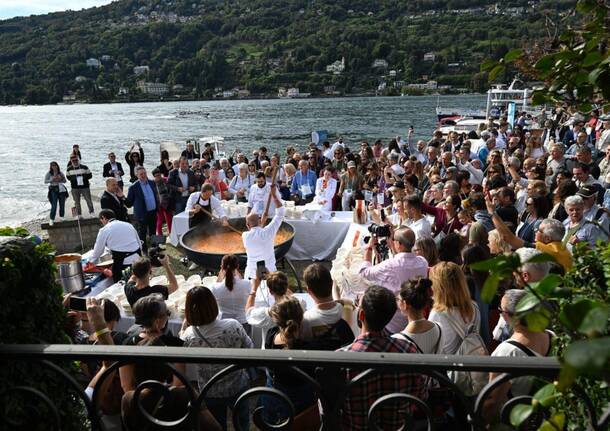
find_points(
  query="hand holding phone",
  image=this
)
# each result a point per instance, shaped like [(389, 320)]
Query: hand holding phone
[(78, 304)]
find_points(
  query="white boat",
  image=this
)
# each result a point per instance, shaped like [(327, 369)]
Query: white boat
[(498, 99), (218, 142)]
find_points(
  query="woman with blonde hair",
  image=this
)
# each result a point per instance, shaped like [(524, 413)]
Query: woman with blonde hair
[(453, 309)]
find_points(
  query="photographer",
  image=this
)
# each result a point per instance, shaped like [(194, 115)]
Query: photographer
[(391, 273), (138, 285)]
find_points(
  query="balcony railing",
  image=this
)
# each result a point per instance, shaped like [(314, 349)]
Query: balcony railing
[(325, 363)]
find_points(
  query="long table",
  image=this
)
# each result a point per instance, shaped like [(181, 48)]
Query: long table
[(313, 240)]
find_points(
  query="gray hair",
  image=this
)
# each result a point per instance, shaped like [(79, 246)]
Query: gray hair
[(553, 228), (513, 296), (538, 270), (405, 237), (243, 166), (574, 200), (110, 180), (139, 168), (437, 187), (454, 185), (514, 162)]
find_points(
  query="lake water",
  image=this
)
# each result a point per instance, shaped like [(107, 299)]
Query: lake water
[(32, 136)]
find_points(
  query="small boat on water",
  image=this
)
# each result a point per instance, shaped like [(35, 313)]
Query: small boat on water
[(498, 100)]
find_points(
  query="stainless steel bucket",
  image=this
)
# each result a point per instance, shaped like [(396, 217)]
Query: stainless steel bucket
[(70, 272)]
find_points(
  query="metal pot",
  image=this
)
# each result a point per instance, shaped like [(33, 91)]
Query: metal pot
[(212, 260), (70, 272)]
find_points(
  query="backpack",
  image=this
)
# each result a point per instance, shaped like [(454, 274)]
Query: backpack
[(469, 382)]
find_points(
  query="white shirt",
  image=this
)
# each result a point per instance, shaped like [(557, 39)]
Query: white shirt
[(501, 140), (421, 228), (259, 244), (184, 179), (324, 195), (520, 385), (317, 321), (232, 303), (604, 141), (450, 340), (397, 169), (238, 183), (258, 197), (214, 202), (117, 236)]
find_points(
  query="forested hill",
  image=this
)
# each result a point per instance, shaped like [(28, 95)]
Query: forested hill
[(201, 47)]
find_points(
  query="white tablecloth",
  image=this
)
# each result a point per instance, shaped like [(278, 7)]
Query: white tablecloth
[(312, 240)]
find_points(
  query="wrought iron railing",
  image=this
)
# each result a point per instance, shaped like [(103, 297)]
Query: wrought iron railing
[(328, 366)]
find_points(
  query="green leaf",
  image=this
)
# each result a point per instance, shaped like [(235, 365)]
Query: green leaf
[(495, 263), (538, 320), (541, 258), (545, 286), (557, 422), (595, 322), (539, 98), (512, 55), (546, 395), (590, 357), (495, 72), (592, 58), (585, 6), (490, 287), (567, 376), (520, 413), (487, 65), (545, 63), (595, 74), (585, 107), (527, 303), (573, 314)]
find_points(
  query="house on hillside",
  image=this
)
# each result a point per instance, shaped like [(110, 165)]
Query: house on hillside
[(337, 67), (106, 57), (140, 70), (429, 56), (93, 62), (380, 63)]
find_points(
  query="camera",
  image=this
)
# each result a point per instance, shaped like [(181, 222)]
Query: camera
[(156, 251), (380, 231)]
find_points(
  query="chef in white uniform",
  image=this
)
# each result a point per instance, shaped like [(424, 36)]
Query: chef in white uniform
[(199, 204), (121, 238), (259, 241), (326, 187), (259, 195)]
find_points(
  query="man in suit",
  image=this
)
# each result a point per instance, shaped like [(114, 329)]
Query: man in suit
[(182, 183), (114, 199), (144, 199), (114, 169)]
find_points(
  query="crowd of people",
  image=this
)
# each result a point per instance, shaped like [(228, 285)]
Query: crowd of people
[(541, 185)]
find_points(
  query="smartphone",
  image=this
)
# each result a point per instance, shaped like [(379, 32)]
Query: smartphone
[(78, 304), (261, 270)]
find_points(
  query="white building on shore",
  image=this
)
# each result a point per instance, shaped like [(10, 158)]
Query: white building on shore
[(153, 88)]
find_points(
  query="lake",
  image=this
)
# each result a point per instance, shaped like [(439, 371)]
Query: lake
[(33, 136)]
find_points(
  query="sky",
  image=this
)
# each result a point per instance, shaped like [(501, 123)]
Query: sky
[(12, 8)]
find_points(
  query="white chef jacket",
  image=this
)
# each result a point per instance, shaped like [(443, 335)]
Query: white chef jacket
[(259, 243), (117, 236), (257, 199), (214, 202), (326, 194)]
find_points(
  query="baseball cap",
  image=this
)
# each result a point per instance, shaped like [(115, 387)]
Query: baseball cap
[(351, 164), (398, 185), (586, 192)]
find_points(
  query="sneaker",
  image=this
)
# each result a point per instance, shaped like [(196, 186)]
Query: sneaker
[(193, 267), (50, 222)]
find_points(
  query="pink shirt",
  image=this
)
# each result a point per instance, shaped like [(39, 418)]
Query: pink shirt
[(391, 274)]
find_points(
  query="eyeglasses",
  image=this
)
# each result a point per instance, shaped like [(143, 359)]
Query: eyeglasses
[(501, 310)]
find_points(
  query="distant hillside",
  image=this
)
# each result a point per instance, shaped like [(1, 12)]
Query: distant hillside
[(201, 47)]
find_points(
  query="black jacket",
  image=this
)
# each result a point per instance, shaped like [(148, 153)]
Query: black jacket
[(109, 202), (107, 172), (81, 170), (173, 182)]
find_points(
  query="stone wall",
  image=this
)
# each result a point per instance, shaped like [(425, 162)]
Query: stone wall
[(65, 237)]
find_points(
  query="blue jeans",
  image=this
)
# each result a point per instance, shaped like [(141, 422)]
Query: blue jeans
[(55, 197), (218, 408)]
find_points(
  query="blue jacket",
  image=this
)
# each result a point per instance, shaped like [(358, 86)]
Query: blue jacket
[(135, 199), (299, 180)]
